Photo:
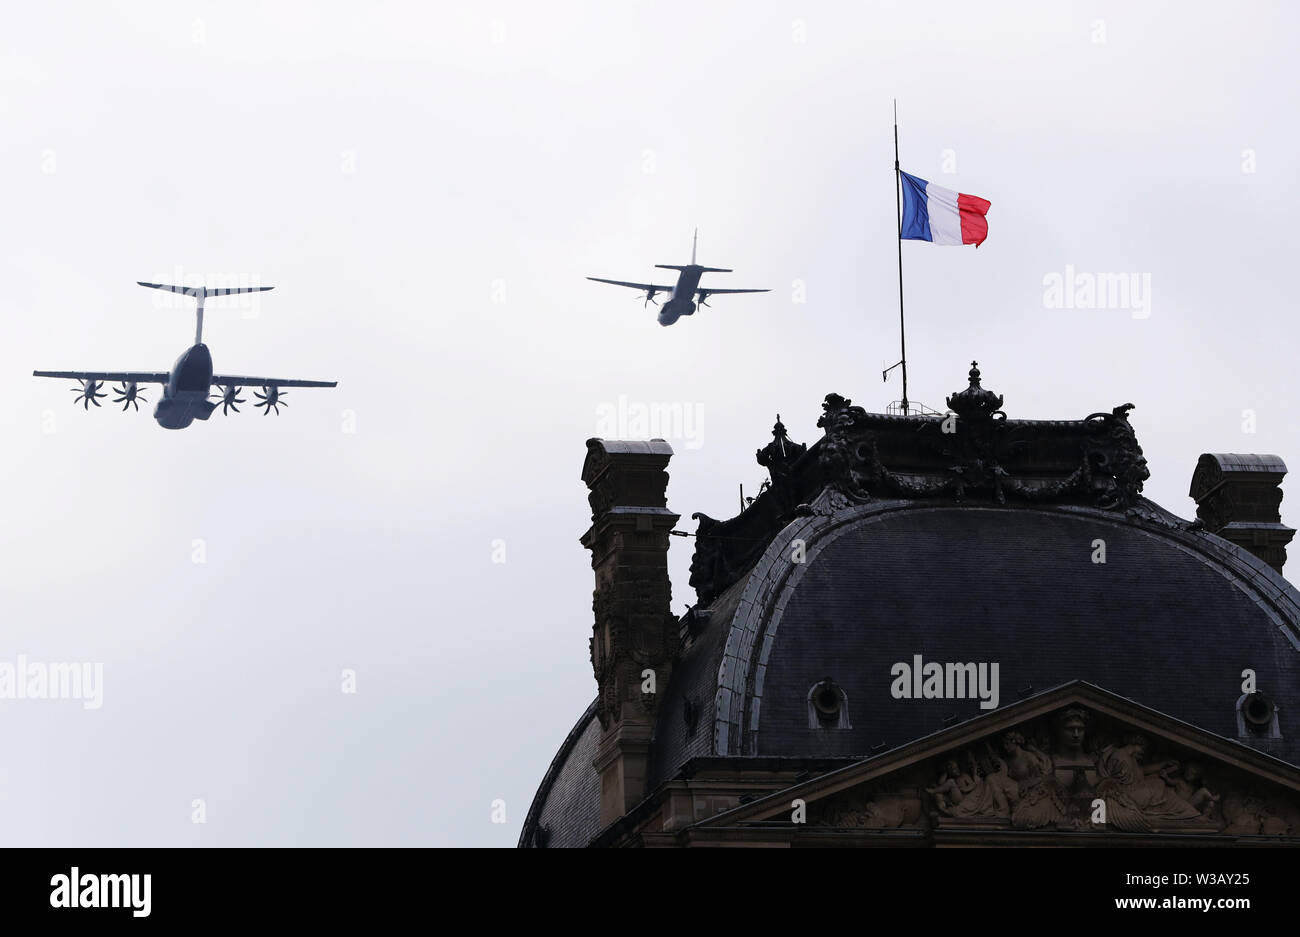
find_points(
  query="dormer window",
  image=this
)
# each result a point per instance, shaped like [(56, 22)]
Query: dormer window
[(1257, 717), (828, 706)]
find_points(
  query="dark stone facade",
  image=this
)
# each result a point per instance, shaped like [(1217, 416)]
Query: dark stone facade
[(963, 537)]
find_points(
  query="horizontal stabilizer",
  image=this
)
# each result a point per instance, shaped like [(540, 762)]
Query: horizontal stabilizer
[(187, 290), (694, 267), (203, 290)]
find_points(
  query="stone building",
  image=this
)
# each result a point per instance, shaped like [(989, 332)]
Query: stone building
[(938, 630)]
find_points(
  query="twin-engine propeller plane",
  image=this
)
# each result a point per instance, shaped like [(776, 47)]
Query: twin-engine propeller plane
[(186, 388), (679, 297)]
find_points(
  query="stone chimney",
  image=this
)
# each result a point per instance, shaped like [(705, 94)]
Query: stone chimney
[(635, 636), (1237, 497)]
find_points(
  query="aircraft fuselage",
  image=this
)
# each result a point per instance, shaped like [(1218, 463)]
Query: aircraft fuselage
[(185, 395), (680, 303)]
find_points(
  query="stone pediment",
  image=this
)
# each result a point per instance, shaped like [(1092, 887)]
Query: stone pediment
[(1076, 762)]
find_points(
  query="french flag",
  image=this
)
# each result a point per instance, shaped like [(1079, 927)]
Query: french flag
[(941, 216)]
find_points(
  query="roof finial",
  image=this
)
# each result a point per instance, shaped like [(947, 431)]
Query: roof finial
[(975, 402), (778, 455)]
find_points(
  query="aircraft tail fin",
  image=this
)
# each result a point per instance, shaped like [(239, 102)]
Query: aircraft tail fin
[(201, 293), (693, 265)]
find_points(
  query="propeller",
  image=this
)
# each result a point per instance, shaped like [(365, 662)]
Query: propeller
[(274, 397), (229, 396), (129, 395), (649, 298), (704, 294), (89, 392)]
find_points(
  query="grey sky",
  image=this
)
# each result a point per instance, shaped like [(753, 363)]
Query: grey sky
[(426, 189)]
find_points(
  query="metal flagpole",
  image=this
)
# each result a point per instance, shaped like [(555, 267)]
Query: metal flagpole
[(898, 202)]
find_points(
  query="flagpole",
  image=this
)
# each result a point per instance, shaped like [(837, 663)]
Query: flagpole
[(898, 204)]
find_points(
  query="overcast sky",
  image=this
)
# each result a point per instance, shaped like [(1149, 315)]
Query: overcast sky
[(426, 186)]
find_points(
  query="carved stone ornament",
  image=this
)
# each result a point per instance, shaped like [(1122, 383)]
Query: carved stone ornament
[(780, 454), (870, 811), (619, 650), (973, 452), (976, 451), (1066, 774)]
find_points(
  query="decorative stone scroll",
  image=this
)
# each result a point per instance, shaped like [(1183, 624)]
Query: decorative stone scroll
[(975, 451), (972, 452)]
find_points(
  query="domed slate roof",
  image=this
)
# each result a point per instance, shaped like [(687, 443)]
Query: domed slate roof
[(1013, 586), (1024, 544)]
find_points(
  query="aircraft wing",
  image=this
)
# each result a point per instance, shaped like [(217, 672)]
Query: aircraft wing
[(229, 380), (138, 377), (712, 292), (635, 286)]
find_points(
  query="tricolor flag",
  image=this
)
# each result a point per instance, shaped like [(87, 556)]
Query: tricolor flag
[(941, 216)]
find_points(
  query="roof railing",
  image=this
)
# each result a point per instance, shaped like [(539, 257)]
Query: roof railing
[(913, 409)]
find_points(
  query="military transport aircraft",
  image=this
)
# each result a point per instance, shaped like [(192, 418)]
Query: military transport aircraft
[(679, 297), (186, 387)]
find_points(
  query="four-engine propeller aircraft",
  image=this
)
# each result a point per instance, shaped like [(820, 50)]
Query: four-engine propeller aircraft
[(679, 297), (186, 388)]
